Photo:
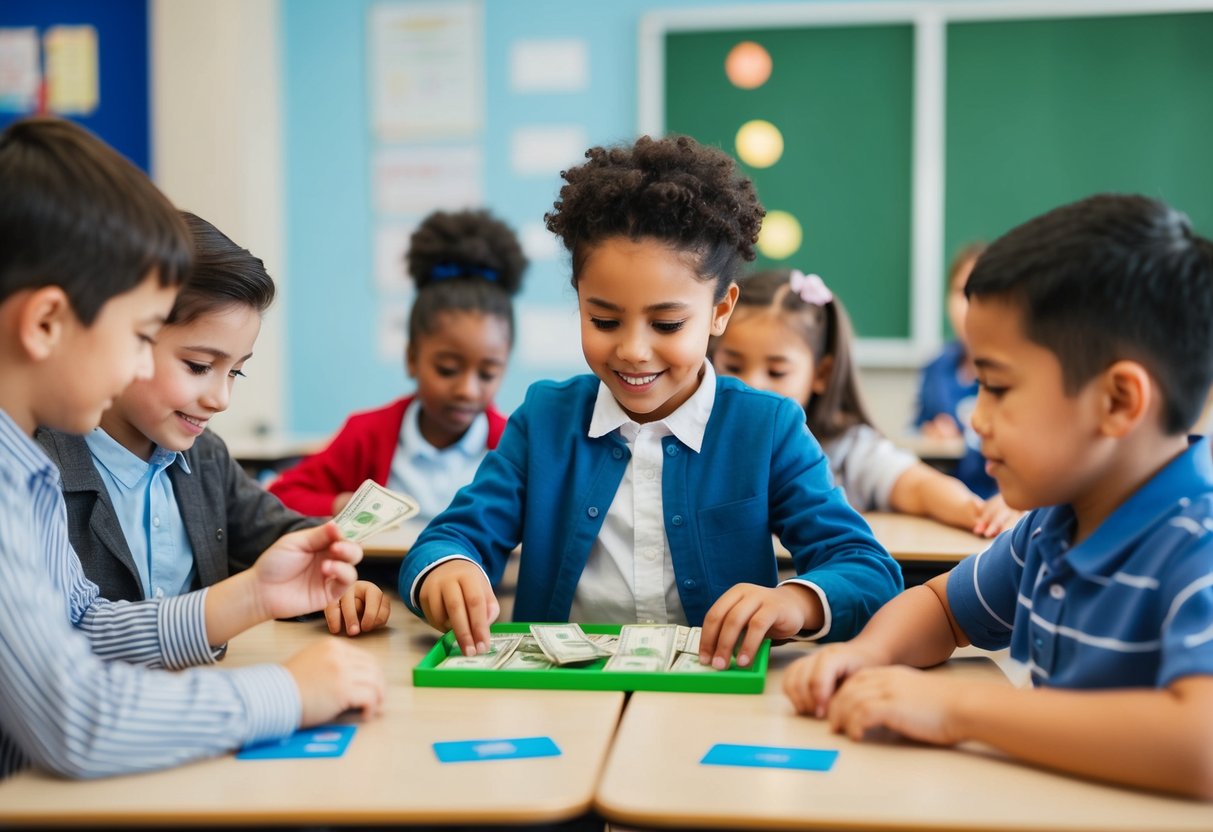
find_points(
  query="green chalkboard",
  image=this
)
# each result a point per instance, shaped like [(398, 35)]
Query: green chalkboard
[(842, 98), (1042, 112), (1036, 113)]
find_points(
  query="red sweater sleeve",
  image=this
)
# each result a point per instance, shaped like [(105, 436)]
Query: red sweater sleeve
[(361, 450)]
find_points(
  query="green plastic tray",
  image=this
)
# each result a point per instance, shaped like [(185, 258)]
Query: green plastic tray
[(585, 677)]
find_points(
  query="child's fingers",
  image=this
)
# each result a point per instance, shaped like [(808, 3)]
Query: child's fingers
[(756, 630), (476, 599), (730, 630), (457, 617), (332, 617), (373, 602), (349, 611), (796, 684)]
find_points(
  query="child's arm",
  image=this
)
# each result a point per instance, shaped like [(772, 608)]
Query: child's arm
[(926, 492), (361, 609), (456, 595), (915, 628), (1156, 739)]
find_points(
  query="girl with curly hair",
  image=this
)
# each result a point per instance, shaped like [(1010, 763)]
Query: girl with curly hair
[(649, 490), (467, 266)]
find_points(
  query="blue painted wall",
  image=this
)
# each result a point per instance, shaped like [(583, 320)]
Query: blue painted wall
[(331, 310)]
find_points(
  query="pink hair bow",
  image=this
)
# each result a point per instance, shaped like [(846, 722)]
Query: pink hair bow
[(811, 288)]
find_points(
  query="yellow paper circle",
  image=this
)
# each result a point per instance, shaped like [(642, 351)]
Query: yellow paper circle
[(747, 65), (759, 143), (780, 236)]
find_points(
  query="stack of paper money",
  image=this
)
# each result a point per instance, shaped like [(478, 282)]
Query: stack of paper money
[(372, 509), (646, 648)]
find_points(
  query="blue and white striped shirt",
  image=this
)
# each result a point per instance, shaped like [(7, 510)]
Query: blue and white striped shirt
[(78, 692), (1130, 606)]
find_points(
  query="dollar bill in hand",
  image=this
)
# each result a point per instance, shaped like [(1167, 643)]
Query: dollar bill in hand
[(372, 509)]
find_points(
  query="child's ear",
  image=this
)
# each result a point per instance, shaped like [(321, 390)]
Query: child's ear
[(724, 309), (821, 375), (1127, 397), (42, 320)]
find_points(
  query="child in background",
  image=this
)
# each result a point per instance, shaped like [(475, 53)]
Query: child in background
[(791, 335), (648, 491), (1088, 327), (155, 504), (947, 391), (91, 255), (467, 266)]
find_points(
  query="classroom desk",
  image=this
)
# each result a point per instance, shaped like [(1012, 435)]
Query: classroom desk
[(272, 453), (389, 773), (393, 543), (920, 539), (653, 777)]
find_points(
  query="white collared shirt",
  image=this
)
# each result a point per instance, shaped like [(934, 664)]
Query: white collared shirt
[(432, 475), (629, 575)]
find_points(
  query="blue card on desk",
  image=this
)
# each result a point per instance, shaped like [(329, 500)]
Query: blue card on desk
[(321, 741), (518, 748), (770, 756)]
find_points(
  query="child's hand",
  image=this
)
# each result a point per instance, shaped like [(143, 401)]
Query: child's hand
[(362, 609), (761, 611), (995, 516), (340, 500), (456, 596), (912, 703), (943, 426), (304, 571), (334, 676), (810, 683)]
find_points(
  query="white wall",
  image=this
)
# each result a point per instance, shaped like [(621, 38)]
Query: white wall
[(217, 149)]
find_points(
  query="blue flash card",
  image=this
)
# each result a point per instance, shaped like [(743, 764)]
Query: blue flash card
[(320, 741), (519, 748), (770, 756)]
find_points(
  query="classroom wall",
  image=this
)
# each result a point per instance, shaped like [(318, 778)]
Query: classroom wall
[(332, 365), (217, 151)]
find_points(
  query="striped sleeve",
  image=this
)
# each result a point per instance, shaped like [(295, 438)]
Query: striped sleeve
[(983, 589), (65, 708), (1187, 626)]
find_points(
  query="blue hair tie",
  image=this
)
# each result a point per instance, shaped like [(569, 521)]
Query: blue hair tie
[(445, 271)]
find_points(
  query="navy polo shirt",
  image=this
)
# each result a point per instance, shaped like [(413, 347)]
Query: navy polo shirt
[(1130, 606)]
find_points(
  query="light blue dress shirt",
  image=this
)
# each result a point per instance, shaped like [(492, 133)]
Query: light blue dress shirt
[(147, 510), (432, 475)]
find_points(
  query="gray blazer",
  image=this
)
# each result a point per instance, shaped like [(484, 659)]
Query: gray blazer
[(228, 517)]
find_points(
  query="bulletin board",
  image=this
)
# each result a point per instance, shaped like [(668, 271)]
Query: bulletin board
[(121, 115), (913, 128)]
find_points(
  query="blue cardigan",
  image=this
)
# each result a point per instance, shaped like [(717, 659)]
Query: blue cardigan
[(759, 471)]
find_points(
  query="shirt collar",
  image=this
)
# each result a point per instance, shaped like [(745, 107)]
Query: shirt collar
[(124, 466), (473, 441), (22, 452), (1184, 478), (688, 423)]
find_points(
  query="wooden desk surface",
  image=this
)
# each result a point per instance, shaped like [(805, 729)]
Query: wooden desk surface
[(653, 777), (920, 539), (389, 773), (394, 542)]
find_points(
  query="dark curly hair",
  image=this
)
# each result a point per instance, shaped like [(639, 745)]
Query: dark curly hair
[(672, 189), (463, 261)]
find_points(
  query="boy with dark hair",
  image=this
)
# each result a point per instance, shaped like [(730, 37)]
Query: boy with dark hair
[(91, 255), (1088, 328)]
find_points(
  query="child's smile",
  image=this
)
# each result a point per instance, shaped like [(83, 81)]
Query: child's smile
[(645, 321)]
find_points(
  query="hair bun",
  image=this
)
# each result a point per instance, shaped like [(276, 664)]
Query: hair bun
[(471, 244)]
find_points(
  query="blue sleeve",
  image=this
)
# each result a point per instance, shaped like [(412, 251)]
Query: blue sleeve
[(1187, 627), (484, 520), (831, 544), (983, 589)]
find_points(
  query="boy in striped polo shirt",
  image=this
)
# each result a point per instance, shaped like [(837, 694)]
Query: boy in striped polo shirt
[(91, 255), (1089, 328)]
